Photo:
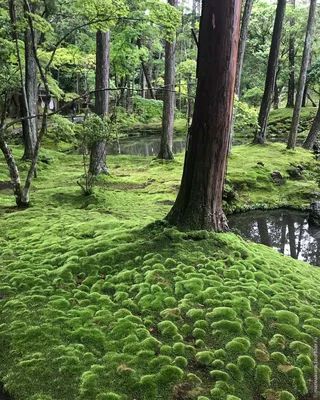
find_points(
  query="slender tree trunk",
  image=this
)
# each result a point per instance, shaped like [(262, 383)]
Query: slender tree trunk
[(98, 151), (199, 201), (242, 43), (261, 133), (290, 102), (29, 127), (148, 80), (169, 98), (276, 97), (303, 75), (315, 128), (189, 100)]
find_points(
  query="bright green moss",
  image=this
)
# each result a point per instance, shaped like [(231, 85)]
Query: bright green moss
[(263, 376), (218, 375), (167, 328), (217, 364), (228, 327), (180, 362), (300, 348), (277, 342), (238, 345), (280, 358), (303, 361), (234, 372), (195, 313), (284, 395), (287, 317), (311, 330), (221, 313), (289, 331), (204, 357), (170, 374), (296, 375), (246, 363), (254, 326)]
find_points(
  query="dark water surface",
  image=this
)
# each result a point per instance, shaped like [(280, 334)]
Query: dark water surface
[(3, 394), (145, 146), (286, 231)]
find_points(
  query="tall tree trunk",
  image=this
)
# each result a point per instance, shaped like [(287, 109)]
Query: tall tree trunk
[(242, 43), (189, 100), (29, 127), (169, 98), (276, 97), (261, 133), (263, 231), (290, 102), (303, 75), (242, 46), (98, 151), (199, 201), (315, 128)]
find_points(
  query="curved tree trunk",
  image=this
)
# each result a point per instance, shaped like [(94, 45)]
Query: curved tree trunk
[(169, 98), (98, 151), (199, 201), (303, 76), (290, 102), (315, 128), (261, 134)]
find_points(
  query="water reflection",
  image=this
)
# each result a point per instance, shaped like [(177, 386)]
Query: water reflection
[(144, 146), (286, 231)]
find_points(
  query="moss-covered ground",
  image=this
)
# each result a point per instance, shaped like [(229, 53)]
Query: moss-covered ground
[(100, 302)]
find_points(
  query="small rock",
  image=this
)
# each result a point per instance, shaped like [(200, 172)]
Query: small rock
[(277, 178), (260, 163)]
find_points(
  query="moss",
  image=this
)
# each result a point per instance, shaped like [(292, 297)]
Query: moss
[(287, 317), (228, 327), (204, 357), (263, 376), (296, 375), (277, 342), (280, 358), (170, 374), (254, 327), (300, 348), (238, 345), (221, 313), (167, 328), (246, 363), (234, 372), (284, 395), (218, 375)]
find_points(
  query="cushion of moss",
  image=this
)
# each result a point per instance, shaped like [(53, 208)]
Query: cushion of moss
[(94, 306)]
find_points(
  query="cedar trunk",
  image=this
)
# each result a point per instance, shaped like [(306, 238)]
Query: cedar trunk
[(98, 149), (290, 102), (169, 98), (29, 127), (199, 202), (303, 76), (315, 128), (261, 134)]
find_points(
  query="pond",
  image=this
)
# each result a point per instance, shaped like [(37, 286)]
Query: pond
[(286, 231), (145, 146)]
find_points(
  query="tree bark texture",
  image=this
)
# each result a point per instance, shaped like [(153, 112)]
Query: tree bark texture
[(169, 98), (98, 151), (242, 42), (303, 75), (29, 127), (315, 128), (261, 134), (199, 201), (290, 102)]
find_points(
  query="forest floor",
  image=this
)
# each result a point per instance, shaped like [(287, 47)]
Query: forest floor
[(98, 301)]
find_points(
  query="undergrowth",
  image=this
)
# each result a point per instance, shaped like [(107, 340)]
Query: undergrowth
[(96, 303)]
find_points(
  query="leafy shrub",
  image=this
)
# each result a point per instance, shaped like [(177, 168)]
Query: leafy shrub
[(147, 109)]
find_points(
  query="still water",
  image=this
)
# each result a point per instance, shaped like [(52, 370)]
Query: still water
[(286, 231), (145, 146)]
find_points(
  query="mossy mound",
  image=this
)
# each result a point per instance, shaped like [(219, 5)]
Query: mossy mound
[(93, 306), (152, 315)]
